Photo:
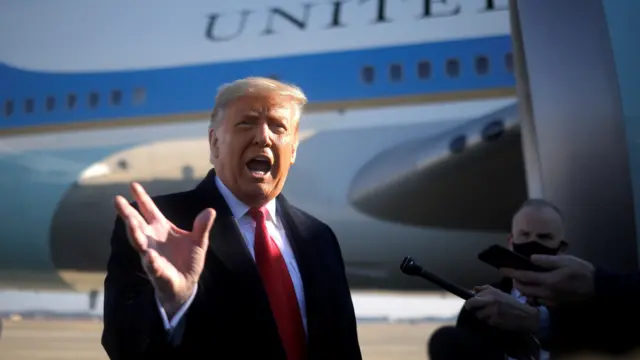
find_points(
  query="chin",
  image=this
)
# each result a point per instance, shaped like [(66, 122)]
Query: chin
[(256, 193)]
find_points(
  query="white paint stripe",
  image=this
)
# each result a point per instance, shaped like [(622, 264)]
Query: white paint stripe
[(369, 306)]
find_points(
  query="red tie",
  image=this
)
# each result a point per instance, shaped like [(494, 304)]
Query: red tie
[(279, 287)]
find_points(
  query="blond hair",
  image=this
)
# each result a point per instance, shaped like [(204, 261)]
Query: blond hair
[(258, 86)]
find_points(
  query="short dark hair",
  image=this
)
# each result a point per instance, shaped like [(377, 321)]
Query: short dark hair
[(540, 204)]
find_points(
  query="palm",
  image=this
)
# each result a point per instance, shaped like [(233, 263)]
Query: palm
[(183, 259), (173, 258)]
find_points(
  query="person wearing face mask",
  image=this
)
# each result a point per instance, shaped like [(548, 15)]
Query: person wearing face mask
[(499, 322)]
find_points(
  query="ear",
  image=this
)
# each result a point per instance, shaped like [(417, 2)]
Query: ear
[(294, 150), (510, 241), (213, 144)]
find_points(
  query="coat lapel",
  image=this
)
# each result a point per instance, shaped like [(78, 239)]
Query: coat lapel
[(299, 238), (303, 246), (227, 243), (301, 242), (225, 239)]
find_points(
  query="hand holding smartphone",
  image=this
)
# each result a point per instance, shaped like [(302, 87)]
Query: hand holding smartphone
[(501, 257)]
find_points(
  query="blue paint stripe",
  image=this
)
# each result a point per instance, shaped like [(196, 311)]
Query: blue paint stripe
[(326, 77)]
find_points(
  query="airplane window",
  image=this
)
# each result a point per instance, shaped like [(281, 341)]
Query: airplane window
[(116, 97), (424, 69), (71, 101), (482, 65), (508, 62), (94, 99), (123, 164), (453, 68), (368, 74), (139, 95), (395, 72), (29, 106), (8, 108), (51, 103)]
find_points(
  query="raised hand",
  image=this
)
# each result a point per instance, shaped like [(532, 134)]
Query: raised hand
[(569, 279), (172, 258)]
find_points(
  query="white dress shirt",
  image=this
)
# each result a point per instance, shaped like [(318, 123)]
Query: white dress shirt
[(247, 228), (544, 355)]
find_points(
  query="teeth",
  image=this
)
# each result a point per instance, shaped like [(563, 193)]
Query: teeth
[(261, 158), (259, 165)]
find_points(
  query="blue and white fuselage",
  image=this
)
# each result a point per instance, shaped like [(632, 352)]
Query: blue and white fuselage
[(95, 96)]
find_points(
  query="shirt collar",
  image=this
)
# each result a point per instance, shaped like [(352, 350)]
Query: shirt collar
[(240, 209)]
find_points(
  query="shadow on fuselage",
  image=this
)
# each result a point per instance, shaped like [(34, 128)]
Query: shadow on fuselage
[(82, 224)]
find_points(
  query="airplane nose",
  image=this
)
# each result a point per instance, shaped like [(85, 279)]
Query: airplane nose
[(446, 180)]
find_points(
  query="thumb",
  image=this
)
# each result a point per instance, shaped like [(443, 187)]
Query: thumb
[(154, 264), (477, 289), (550, 262), (202, 226)]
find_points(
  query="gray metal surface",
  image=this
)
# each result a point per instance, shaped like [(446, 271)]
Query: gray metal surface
[(573, 126)]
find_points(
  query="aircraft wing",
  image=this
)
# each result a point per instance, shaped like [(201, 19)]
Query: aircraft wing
[(469, 178)]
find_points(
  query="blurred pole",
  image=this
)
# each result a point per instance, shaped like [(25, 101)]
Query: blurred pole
[(574, 130), (624, 32)]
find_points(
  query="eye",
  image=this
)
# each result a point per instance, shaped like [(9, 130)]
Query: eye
[(279, 128)]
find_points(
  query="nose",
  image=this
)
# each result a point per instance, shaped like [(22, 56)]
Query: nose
[(263, 135)]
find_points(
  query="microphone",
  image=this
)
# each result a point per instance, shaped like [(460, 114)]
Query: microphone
[(526, 343), (411, 267)]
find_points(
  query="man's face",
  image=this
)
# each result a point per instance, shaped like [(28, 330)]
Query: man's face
[(254, 145), (537, 231)]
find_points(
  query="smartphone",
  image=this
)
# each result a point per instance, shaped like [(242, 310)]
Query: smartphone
[(501, 257)]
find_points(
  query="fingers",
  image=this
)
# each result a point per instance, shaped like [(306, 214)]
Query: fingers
[(527, 277), (159, 270), (485, 313), (134, 222), (540, 293), (476, 303), (551, 262), (147, 207), (202, 226), (481, 288), (506, 272), (153, 263)]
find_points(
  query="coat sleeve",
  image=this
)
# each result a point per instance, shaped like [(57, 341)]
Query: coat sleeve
[(601, 324), (350, 342)]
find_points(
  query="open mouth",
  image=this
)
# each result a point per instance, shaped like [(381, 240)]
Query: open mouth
[(259, 165)]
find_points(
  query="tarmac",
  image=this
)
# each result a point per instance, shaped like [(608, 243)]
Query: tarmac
[(80, 339)]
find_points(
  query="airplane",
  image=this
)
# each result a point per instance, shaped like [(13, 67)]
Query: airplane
[(410, 143)]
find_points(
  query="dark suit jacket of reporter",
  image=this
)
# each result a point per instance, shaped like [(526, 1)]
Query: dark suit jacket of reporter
[(606, 324), (230, 316)]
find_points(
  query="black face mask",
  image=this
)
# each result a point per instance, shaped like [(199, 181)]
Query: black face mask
[(533, 247)]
